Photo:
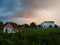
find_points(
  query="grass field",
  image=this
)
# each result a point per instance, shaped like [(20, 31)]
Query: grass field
[(32, 36)]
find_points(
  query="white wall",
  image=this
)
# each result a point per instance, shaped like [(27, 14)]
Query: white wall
[(9, 30), (46, 25)]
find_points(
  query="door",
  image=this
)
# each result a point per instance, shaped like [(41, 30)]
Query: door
[(6, 31)]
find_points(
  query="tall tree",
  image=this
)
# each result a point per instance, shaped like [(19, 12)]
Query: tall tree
[(33, 25)]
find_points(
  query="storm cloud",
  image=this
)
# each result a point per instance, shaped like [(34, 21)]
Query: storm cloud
[(28, 11)]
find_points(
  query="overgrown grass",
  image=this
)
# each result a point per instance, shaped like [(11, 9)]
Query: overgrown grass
[(32, 36)]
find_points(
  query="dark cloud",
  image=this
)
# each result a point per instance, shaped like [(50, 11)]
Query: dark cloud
[(28, 9), (13, 7)]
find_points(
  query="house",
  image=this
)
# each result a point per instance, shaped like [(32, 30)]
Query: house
[(10, 27), (48, 24)]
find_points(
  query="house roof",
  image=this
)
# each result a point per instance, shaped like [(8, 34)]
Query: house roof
[(13, 24), (48, 22)]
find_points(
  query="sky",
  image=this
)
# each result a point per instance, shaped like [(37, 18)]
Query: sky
[(27, 11)]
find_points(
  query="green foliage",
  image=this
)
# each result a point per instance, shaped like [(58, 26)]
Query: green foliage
[(1, 24), (55, 26), (33, 25), (26, 25), (32, 36)]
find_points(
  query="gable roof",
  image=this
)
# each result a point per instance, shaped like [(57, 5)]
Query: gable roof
[(13, 24)]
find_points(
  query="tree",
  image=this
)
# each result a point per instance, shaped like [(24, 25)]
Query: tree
[(40, 26), (26, 25), (1, 24), (55, 26), (33, 25)]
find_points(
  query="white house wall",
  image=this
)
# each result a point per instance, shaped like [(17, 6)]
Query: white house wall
[(9, 30), (46, 25)]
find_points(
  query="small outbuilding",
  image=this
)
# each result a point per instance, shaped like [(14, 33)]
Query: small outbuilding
[(10, 27)]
